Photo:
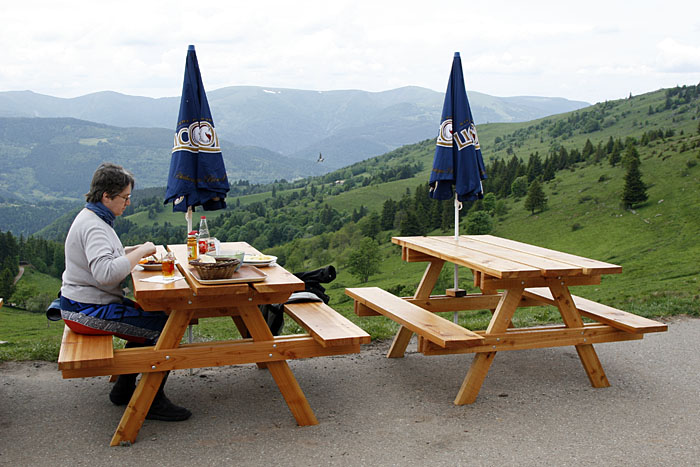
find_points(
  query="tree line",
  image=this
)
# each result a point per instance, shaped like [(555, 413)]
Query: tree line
[(45, 256)]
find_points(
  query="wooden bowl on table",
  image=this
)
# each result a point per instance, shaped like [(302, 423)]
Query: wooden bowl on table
[(224, 268)]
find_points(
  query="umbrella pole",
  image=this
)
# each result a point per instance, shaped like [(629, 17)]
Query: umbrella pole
[(188, 218), (456, 291)]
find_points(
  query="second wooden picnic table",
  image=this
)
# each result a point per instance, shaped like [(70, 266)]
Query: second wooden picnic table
[(510, 275)]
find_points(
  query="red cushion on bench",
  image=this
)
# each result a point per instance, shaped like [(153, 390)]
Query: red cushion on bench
[(82, 329)]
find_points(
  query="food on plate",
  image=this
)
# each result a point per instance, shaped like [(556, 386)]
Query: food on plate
[(258, 258), (149, 261)]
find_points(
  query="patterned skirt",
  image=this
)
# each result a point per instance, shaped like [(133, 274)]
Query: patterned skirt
[(126, 320)]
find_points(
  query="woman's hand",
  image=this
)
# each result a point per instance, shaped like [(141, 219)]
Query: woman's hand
[(135, 253)]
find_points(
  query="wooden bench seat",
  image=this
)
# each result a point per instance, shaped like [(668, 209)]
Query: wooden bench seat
[(436, 329), (326, 325), (602, 313), (84, 351)]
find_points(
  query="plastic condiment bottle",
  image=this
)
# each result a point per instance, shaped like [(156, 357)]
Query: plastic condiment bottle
[(192, 246), (203, 236)]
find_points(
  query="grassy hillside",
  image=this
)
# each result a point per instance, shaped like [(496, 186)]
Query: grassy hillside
[(29, 335), (654, 243)]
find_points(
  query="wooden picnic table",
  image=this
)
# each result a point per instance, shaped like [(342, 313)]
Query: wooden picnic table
[(509, 275), (187, 301)]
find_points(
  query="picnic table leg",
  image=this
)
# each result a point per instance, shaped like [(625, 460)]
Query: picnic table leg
[(482, 361), (148, 386), (425, 288), (240, 325), (280, 371), (586, 352), (135, 412), (243, 331), (401, 340)]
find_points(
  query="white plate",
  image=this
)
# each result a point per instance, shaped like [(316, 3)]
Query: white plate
[(259, 260), (151, 267)]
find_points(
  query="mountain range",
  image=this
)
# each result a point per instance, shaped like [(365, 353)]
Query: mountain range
[(54, 158), (346, 126)]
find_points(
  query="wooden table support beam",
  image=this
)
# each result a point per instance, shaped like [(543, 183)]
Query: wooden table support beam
[(482, 361), (586, 352), (286, 382), (148, 386)]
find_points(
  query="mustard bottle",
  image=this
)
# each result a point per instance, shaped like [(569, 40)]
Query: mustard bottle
[(192, 246)]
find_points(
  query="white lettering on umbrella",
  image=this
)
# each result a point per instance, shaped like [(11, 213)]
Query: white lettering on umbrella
[(199, 136), (464, 138), (445, 136), (468, 138)]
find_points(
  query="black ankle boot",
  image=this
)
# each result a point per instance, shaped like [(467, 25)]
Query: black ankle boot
[(126, 384), (123, 389), (164, 410)]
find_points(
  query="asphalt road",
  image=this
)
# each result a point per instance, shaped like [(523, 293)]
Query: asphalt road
[(536, 408)]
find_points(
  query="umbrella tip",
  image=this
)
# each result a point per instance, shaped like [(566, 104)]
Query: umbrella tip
[(190, 47), (456, 53)]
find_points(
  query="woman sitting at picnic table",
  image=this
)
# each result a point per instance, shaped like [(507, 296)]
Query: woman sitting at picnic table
[(92, 299)]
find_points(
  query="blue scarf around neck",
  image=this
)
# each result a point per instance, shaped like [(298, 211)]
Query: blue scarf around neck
[(102, 212)]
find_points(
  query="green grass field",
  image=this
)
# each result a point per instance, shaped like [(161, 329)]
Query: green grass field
[(28, 336)]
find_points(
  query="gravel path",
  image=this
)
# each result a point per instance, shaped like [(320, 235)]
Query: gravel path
[(536, 408)]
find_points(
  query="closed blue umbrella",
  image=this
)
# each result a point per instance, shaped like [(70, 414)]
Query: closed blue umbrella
[(458, 163), (458, 167), (197, 173)]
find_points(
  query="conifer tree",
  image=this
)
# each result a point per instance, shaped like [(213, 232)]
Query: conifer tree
[(447, 220), (534, 167), (519, 186), (609, 145), (631, 156), (7, 287), (411, 225), (599, 153), (635, 191), (388, 213), (616, 153), (536, 198)]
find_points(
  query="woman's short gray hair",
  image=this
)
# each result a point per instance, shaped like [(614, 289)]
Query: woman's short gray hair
[(108, 178)]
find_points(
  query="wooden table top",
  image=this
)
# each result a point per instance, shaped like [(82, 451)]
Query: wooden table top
[(505, 259), (190, 293)]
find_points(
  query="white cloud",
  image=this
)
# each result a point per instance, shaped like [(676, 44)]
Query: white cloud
[(593, 51), (676, 57)]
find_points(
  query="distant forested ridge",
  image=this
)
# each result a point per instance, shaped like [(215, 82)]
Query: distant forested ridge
[(46, 159), (347, 126)]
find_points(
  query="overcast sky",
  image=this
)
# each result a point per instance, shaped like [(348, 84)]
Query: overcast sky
[(591, 51)]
